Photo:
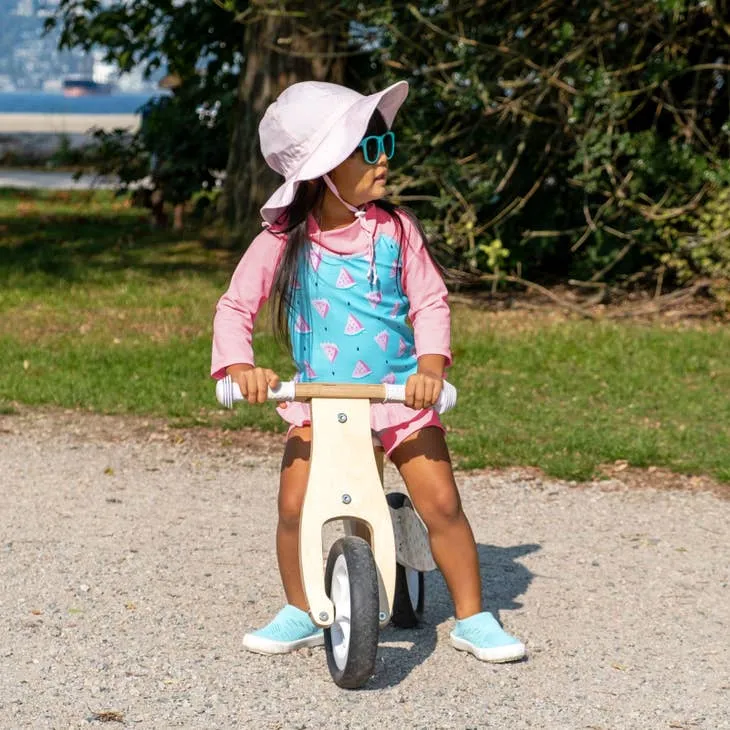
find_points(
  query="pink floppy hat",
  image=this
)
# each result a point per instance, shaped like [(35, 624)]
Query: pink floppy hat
[(312, 128)]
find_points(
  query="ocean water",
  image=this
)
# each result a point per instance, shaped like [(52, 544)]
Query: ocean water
[(24, 102)]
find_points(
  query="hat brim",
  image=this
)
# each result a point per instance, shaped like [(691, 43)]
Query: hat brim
[(340, 142)]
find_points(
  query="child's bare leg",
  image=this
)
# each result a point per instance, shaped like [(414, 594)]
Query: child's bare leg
[(424, 463), (292, 485), (291, 628)]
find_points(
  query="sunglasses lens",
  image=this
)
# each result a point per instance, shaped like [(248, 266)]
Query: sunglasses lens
[(389, 144), (371, 149)]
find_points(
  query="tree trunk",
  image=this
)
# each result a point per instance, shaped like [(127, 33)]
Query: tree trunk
[(271, 45), (178, 219)]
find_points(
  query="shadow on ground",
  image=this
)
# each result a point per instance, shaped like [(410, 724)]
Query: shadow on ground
[(78, 242), (504, 580)]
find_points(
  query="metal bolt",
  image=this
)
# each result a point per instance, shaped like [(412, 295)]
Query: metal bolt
[(323, 616), (382, 615), (342, 417), (346, 499)]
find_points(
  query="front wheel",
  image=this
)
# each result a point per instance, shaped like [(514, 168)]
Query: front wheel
[(351, 643)]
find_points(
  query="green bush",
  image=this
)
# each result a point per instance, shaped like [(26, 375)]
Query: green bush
[(571, 132), (699, 245), (549, 139)]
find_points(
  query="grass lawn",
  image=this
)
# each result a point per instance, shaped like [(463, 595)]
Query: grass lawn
[(99, 312)]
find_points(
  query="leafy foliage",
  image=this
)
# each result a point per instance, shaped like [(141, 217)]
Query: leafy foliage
[(183, 138), (555, 139), (154, 34), (698, 246), (569, 131)]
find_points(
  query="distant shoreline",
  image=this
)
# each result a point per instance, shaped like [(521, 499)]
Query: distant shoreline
[(39, 123)]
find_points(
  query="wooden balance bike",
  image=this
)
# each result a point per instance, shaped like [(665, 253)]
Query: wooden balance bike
[(373, 575)]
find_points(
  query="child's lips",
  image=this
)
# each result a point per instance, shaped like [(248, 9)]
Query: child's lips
[(382, 177)]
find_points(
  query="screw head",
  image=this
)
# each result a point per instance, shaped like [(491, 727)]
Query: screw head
[(323, 616), (382, 615), (346, 499), (342, 417)]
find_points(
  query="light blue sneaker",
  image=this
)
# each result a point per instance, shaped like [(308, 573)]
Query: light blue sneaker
[(482, 636), (290, 630)]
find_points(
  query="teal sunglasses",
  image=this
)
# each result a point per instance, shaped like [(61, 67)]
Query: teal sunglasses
[(374, 146)]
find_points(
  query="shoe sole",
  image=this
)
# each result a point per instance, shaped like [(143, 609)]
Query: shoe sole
[(259, 645), (498, 655)]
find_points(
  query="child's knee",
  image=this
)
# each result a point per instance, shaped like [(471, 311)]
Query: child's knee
[(441, 507), (290, 508)]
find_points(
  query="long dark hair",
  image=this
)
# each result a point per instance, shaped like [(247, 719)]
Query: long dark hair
[(293, 224)]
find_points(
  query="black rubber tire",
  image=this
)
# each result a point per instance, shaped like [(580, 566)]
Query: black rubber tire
[(364, 613), (406, 613)]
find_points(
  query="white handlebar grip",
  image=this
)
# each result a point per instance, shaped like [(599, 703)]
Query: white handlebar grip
[(446, 401), (285, 391), (227, 392)]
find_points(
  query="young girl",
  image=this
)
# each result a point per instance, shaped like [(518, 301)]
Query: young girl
[(347, 272)]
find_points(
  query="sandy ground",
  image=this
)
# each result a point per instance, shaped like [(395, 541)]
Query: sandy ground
[(133, 558), (38, 123), (28, 179)]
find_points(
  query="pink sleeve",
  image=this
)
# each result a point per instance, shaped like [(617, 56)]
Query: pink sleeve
[(237, 309), (426, 292)]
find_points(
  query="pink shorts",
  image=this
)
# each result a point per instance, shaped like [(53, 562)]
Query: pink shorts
[(391, 423)]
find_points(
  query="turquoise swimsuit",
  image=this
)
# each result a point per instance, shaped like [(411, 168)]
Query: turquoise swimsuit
[(347, 328)]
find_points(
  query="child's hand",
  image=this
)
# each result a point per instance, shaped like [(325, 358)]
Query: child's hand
[(253, 382), (423, 390)]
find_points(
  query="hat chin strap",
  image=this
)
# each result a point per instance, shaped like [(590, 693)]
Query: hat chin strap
[(359, 213)]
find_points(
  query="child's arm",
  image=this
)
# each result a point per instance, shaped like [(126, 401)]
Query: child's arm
[(237, 309), (427, 297), (431, 319)]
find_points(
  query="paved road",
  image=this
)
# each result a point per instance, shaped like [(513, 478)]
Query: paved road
[(134, 557)]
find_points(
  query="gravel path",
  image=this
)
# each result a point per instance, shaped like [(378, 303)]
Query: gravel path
[(133, 558)]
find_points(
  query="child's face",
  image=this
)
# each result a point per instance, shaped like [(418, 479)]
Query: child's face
[(359, 183)]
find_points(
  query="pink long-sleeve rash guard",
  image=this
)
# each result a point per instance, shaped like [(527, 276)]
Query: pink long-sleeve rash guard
[(252, 281)]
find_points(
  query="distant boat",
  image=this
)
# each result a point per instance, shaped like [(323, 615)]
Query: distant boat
[(85, 87)]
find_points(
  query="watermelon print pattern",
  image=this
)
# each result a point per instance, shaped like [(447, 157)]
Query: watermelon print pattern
[(302, 326), (353, 326), (342, 328), (361, 370), (374, 297), (321, 306), (345, 280), (330, 350), (315, 258), (382, 339)]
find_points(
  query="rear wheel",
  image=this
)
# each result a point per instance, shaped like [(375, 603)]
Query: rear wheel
[(351, 643), (409, 597)]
